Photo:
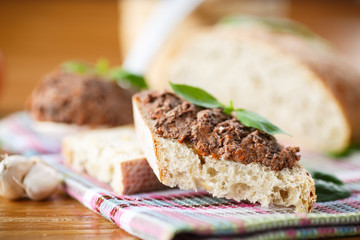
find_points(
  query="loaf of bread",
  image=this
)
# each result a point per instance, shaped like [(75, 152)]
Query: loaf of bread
[(111, 156), (278, 69), (177, 163)]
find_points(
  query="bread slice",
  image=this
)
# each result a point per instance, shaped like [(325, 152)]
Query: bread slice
[(178, 164), (112, 156), (300, 84)]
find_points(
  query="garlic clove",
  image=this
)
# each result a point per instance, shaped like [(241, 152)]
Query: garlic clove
[(12, 172), (41, 181)]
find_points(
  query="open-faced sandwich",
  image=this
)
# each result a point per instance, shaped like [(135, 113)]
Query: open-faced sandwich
[(80, 96), (201, 145)]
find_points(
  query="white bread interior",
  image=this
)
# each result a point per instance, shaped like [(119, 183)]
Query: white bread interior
[(177, 165), (301, 85), (112, 156)]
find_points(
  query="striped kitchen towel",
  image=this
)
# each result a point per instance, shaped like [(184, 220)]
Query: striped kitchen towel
[(187, 214), (19, 134)]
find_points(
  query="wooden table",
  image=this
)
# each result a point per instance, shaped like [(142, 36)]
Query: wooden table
[(61, 217)]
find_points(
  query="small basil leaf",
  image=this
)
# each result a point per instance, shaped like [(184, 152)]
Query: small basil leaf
[(196, 96), (251, 119), (102, 67), (229, 109), (326, 177), (329, 191), (78, 67), (346, 152), (120, 75)]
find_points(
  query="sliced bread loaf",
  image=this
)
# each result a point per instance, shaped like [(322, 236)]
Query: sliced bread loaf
[(297, 81), (112, 156)]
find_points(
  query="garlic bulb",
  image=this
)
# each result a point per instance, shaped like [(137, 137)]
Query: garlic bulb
[(12, 172), (21, 177), (40, 182)]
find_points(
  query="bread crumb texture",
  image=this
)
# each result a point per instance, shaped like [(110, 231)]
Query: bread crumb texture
[(254, 182)]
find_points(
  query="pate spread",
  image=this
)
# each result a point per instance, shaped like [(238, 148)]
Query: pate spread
[(214, 133), (80, 99)]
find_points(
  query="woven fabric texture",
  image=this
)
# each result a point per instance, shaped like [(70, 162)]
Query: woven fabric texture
[(187, 214)]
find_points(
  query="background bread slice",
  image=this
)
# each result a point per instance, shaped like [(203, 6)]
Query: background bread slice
[(177, 164), (112, 156), (300, 84)]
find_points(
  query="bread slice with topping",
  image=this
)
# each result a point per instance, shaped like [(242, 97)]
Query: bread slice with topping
[(111, 156), (81, 100), (192, 147)]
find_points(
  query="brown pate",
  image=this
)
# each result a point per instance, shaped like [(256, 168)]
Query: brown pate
[(80, 99), (214, 133)]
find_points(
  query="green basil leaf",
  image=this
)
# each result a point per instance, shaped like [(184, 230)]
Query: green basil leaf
[(120, 75), (196, 96), (328, 187), (78, 67), (229, 109), (102, 67), (326, 177), (251, 119), (204, 99), (346, 152), (329, 191)]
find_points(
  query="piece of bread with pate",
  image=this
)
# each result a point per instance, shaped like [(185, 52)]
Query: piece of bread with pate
[(193, 147), (81, 100), (74, 97), (278, 69), (111, 156)]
